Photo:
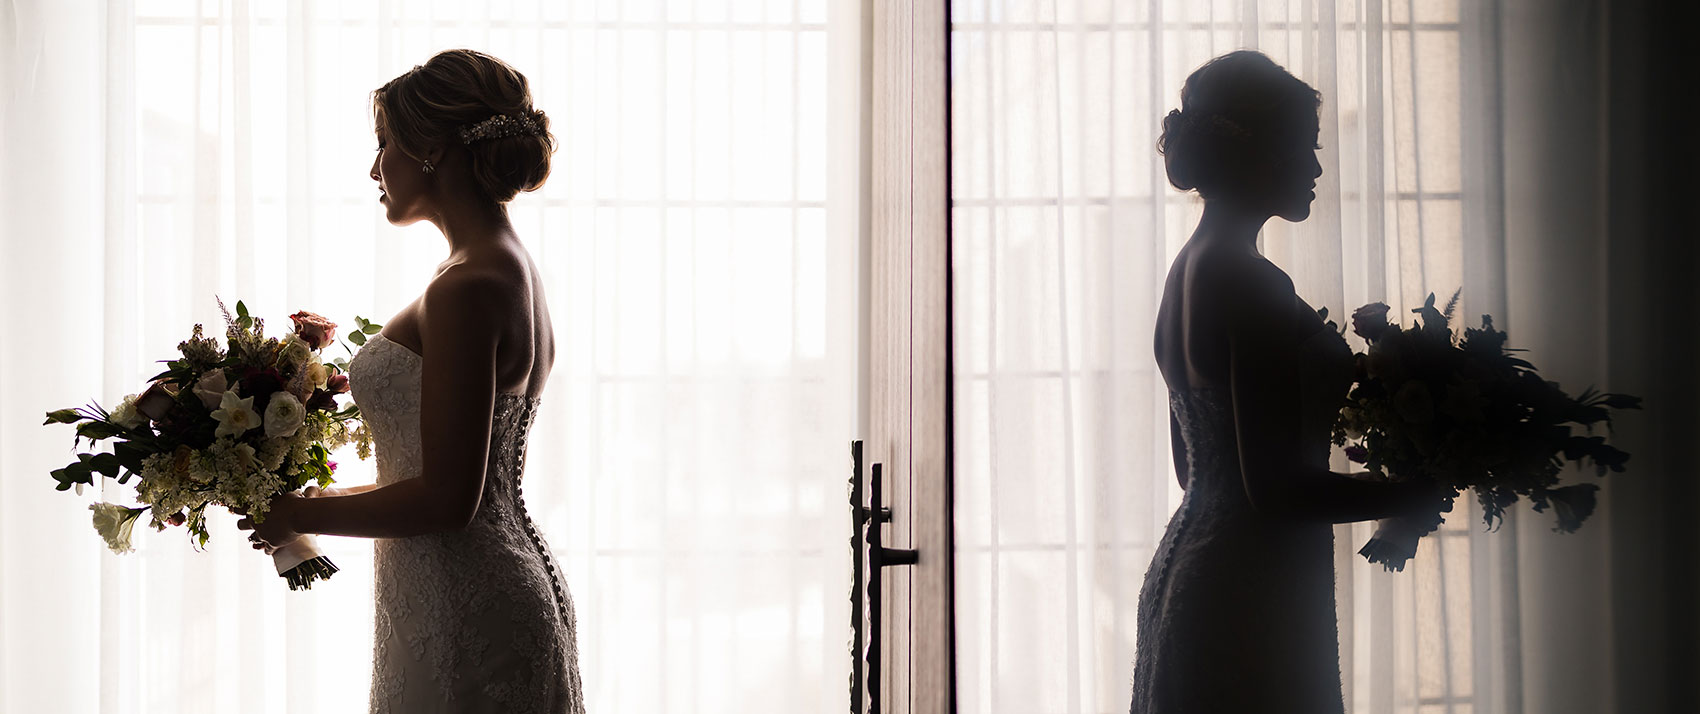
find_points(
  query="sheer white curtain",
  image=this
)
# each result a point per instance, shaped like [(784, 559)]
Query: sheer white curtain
[(1064, 227), (698, 238)]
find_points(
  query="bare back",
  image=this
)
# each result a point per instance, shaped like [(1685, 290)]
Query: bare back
[(1208, 288)]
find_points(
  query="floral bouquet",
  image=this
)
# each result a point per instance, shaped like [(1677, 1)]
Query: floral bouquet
[(1466, 413), (228, 427)]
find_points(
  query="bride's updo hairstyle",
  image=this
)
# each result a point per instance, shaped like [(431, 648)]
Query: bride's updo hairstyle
[(1238, 112), (454, 100)]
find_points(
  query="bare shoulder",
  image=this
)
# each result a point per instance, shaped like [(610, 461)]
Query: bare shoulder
[(486, 277), (1245, 291), (488, 288), (1243, 274)]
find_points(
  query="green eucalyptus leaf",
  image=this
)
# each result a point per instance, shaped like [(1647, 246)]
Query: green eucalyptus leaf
[(371, 329), (106, 464), (241, 309), (129, 455), (357, 338), (80, 472)]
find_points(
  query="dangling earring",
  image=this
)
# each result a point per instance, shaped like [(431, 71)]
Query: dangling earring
[(427, 167)]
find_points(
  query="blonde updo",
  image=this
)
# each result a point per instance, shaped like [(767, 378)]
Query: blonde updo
[(429, 105)]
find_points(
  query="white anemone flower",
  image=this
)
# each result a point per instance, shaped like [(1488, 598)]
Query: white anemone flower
[(235, 415), (284, 415)]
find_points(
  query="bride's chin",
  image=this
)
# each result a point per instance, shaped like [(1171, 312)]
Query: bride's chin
[(395, 217)]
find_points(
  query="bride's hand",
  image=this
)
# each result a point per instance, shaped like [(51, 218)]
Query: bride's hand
[(278, 529), (309, 492), (1423, 495)]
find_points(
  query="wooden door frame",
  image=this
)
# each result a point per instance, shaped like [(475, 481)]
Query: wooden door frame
[(909, 342)]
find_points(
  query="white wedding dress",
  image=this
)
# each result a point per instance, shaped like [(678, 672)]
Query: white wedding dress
[(471, 620)]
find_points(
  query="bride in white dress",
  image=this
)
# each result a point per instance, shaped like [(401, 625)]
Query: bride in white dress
[(472, 613)]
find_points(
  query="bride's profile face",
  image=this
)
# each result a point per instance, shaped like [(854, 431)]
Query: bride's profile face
[(403, 187), (1295, 183), (1290, 182)]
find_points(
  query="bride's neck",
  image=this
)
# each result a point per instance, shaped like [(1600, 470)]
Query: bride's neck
[(470, 225), (1229, 222)]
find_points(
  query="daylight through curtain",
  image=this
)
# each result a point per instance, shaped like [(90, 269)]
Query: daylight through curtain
[(698, 256)]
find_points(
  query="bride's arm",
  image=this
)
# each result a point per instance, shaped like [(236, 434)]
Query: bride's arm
[(1265, 388), (460, 321)]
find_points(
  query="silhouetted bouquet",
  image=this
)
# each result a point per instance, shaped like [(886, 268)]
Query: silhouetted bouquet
[(229, 427), (1468, 414)]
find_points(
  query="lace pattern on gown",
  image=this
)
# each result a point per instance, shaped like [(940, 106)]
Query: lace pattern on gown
[(477, 619)]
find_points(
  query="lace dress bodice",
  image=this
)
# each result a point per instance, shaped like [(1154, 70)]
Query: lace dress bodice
[(471, 620), (1237, 610)]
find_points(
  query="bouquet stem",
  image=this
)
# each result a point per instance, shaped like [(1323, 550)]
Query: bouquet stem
[(301, 563)]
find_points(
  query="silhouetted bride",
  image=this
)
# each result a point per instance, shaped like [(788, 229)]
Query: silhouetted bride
[(1237, 610), (472, 614)]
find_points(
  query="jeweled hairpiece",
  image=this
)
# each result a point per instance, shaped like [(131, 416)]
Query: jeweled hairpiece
[(500, 125)]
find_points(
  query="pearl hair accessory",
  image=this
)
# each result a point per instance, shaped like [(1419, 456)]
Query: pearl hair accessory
[(499, 126), (1210, 123)]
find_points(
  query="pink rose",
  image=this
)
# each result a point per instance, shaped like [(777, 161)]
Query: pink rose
[(318, 332), (211, 387), (156, 402), (1370, 321)]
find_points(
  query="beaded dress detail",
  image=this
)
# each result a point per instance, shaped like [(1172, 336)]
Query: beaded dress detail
[(472, 620), (1237, 610)]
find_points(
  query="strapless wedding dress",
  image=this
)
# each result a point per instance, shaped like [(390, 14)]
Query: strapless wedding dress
[(1237, 610), (471, 620)]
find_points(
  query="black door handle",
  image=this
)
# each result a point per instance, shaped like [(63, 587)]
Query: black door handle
[(866, 541)]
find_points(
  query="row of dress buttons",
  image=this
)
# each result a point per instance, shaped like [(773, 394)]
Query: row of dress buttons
[(537, 540)]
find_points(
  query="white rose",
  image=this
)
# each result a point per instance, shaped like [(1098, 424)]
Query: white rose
[(295, 350), (235, 415), (125, 415), (317, 373), (284, 415)]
